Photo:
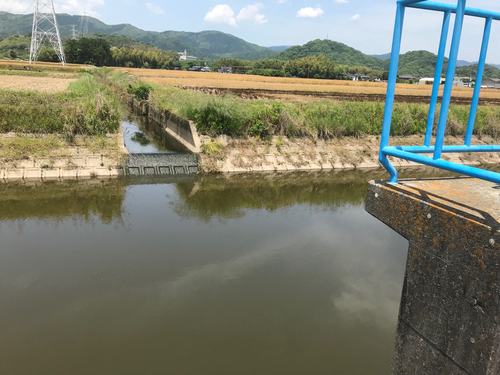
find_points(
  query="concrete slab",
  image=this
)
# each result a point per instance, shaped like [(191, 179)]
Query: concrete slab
[(93, 161), (50, 172), (449, 320), (85, 172), (33, 173), (14, 174)]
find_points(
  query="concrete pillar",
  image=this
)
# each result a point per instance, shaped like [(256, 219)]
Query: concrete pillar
[(449, 319)]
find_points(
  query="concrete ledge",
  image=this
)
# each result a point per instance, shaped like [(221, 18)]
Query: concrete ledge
[(449, 321)]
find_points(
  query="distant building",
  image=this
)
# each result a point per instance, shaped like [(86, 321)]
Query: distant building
[(226, 69), (458, 82), (357, 77), (429, 81), (408, 78), (491, 83), (205, 69), (195, 69), (183, 56)]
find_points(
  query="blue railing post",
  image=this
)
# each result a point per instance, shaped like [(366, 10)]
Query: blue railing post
[(450, 75), (479, 80), (437, 78), (391, 91), (417, 153)]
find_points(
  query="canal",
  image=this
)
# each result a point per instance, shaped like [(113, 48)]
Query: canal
[(243, 274)]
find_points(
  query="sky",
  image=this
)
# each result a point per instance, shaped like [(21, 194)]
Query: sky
[(366, 25)]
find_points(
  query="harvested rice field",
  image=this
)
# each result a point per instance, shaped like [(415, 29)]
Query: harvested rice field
[(242, 81), (39, 84)]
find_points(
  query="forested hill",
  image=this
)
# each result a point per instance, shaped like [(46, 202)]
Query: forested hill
[(206, 44), (339, 53), (222, 45)]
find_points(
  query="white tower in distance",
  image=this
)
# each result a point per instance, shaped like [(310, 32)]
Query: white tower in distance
[(45, 29)]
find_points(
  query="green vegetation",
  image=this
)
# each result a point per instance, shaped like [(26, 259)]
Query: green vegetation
[(150, 58), (141, 92), (88, 108), (471, 70), (317, 120), (205, 44), (340, 53), (17, 44), (88, 50), (319, 67)]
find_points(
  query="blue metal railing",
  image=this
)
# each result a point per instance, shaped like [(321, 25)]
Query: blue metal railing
[(414, 153)]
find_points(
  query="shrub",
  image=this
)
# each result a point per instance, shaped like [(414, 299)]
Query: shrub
[(141, 92)]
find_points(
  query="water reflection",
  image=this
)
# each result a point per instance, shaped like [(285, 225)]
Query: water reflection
[(216, 274), (144, 137)]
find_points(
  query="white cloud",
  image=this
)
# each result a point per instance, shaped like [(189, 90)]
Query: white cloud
[(310, 12), (221, 14), (61, 6), (251, 13), (355, 17), (342, 1), (155, 9), (78, 6), (16, 6)]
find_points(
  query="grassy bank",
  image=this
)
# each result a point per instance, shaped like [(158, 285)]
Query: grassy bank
[(87, 108), (317, 120), (82, 120)]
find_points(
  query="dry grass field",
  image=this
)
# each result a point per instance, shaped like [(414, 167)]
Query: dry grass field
[(41, 77), (48, 85), (14, 64), (241, 81)]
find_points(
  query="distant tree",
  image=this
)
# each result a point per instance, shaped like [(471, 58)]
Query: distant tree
[(311, 66), (48, 55), (13, 54), (96, 50)]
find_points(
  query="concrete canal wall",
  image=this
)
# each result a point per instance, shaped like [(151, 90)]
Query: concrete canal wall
[(182, 130), (62, 168), (449, 320)]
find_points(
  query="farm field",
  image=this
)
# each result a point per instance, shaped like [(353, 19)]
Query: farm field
[(50, 85), (15, 64), (50, 78), (241, 81)]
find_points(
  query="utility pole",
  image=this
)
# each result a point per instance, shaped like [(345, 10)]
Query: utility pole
[(73, 32), (44, 30)]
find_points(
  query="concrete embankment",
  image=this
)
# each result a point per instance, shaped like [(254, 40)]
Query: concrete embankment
[(285, 154), (303, 154)]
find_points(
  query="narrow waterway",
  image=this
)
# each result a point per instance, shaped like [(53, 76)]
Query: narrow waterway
[(143, 137), (246, 274)]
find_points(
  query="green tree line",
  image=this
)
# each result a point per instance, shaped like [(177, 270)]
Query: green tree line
[(320, 67)]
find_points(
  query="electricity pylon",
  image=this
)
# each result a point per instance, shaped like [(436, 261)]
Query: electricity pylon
[(45, 30), (84, 25), (73, 32)]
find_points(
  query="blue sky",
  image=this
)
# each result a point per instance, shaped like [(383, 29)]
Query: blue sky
[(363, 24)]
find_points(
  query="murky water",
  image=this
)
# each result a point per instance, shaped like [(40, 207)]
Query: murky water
[(249, 274), (143, 137)]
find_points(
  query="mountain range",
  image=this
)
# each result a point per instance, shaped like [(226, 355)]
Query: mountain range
[(205, 44), (14, 31)]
